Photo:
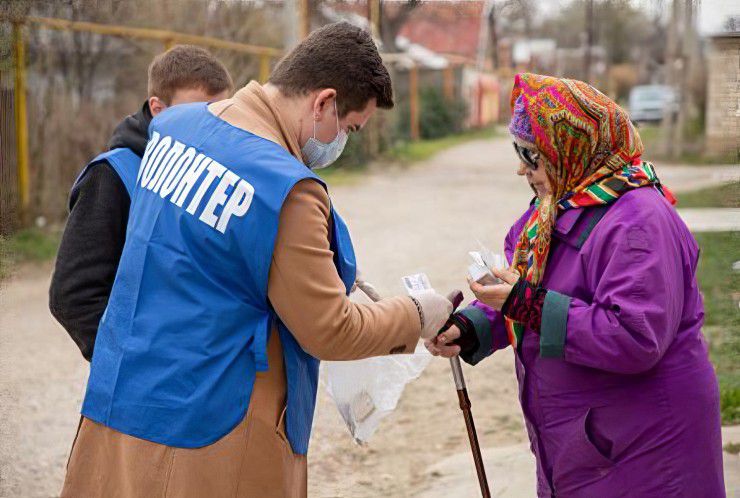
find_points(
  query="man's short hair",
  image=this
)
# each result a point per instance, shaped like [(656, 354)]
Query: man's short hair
[(186, 67), (339, 56)]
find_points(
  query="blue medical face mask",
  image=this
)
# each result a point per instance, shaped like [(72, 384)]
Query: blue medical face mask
[(317, 154)]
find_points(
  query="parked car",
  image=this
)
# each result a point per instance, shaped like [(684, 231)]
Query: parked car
[(649, 103)]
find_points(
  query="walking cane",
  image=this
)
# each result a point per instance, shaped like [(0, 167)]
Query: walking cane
[(462, 396), (462, 392)]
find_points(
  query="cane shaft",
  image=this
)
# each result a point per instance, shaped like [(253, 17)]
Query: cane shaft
[(462, 396)]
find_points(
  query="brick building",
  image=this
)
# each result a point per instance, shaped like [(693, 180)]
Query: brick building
[(723, 97)]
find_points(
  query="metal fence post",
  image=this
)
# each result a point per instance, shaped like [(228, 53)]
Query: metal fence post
[(21, 120), (414, 101), (448, 82), (373, 15), (304, 19), (264, 68)]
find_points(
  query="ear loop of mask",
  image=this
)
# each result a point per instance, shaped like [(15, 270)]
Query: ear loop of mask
[(336, 114)]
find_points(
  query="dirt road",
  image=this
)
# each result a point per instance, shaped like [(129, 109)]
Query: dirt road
[(406, 220)]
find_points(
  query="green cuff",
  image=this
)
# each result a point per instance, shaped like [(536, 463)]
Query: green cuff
[(482, 330), (553, 325)]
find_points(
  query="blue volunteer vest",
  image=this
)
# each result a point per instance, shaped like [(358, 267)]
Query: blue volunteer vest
[(188, 319), (123, 161)]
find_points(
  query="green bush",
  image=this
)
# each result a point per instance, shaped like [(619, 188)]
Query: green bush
[(730, 403), (438, 116), (356, 153)]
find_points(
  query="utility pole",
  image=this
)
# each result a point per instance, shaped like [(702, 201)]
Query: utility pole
[(688, 58), (672, 64)]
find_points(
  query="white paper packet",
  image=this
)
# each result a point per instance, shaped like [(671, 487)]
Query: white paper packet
[(483, 261)]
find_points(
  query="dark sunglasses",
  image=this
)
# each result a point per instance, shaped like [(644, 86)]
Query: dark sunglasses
[(528, 156)]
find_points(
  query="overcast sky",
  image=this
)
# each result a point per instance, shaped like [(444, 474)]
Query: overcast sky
[(713, 13)]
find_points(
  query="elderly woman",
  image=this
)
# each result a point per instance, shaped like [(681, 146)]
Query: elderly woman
[(602, 308)]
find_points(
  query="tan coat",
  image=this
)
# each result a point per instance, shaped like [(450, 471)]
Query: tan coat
[(304, 288)]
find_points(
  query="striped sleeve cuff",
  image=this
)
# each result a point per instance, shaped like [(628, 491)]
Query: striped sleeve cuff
[(554, 322), (482, 327)]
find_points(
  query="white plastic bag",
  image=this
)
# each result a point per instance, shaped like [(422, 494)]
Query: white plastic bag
[(367, 391)]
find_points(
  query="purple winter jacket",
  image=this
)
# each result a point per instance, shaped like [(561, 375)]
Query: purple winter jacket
[(618, 394)]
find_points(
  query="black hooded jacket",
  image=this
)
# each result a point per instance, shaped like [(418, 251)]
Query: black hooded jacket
[(93, 239)]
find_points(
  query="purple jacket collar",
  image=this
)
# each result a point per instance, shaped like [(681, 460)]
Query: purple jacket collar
[(566, 221)]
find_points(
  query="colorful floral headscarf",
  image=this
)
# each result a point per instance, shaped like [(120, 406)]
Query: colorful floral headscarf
[(592, 156)]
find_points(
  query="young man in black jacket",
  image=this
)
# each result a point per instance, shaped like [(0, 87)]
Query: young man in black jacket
[(99, 202)]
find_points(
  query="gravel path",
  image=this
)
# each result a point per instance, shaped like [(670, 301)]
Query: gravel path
[(711, 219), (403, 221)]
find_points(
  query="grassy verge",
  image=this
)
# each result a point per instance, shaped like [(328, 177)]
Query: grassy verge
[(341, 176), (723, 196), (720, 285), (29, 245), (652, 139), (424, 149)]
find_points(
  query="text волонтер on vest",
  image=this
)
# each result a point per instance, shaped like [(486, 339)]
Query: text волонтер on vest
[(171, 170)]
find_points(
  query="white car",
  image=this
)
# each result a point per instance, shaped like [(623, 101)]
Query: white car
[(650, 103)]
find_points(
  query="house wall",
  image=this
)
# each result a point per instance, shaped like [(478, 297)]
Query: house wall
[(723, 98)]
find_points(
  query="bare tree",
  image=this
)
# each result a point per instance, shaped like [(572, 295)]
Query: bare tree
[(493, 35), (681, 61), (689, 57), (392, 20), (526, 10), (589, 40)]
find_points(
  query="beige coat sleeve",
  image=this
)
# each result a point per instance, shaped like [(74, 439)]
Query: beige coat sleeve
[(309, 297)]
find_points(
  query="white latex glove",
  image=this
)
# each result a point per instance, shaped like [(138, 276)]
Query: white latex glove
[(435, 310)]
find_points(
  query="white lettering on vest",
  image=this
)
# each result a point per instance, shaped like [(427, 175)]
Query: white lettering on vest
[(217, 198), (188, 181), (215, 170), (150, 145), (165, 166), (172, 169), (148, 169), (237, 205), (176, 173)]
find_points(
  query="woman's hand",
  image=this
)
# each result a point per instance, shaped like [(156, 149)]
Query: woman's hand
[(441, 345), (495, 295)]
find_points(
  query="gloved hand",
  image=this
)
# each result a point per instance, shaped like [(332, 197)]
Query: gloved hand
[(457, 338), (434, 310)]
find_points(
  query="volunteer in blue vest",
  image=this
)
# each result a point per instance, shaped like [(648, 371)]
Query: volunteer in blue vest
[(233, 284), (99, 201)]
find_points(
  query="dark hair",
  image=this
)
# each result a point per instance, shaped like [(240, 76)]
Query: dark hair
[(339, 56), (187, 66)]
